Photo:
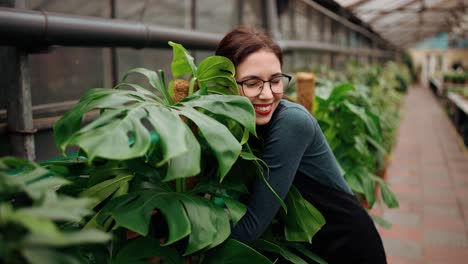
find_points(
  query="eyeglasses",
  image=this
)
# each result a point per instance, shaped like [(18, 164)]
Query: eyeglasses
[(254, 86)]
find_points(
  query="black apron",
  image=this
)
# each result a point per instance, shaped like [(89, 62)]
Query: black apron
[(349, 235)]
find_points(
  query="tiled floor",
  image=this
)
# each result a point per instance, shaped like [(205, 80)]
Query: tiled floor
[(429, 175)]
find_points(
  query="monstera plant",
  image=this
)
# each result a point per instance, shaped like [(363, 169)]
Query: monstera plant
[(167, 178)]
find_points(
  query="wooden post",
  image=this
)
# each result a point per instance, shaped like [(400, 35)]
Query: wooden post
[(305, 89)]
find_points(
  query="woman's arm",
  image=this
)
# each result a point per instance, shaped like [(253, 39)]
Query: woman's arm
[(290, 133)]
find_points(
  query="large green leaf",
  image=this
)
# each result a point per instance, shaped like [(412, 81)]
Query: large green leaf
[(250, 156), (210, 224), (138, 251), (362, 115), (154, 80), (175, 137), (188, 163), (388, 196), (339, 92), (108, 136), (105, 189), (235, 252), (99, 98), (306, 252), (237, 108), (217, 71), (134, 210), (303, 220), (264, 245), (59, 208), (224, 145), (236, 209), (61, 239), (368, 185), (182, 62), (206, 224), (39, 216)]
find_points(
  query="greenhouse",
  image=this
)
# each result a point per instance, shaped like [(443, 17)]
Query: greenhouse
[(235, 131)]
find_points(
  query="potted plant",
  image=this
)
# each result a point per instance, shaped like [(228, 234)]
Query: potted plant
[(135, 161)]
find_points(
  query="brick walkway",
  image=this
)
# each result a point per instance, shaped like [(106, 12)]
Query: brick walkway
[(429, 175)]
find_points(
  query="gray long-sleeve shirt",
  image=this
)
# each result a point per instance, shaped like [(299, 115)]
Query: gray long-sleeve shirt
[(293, 145)]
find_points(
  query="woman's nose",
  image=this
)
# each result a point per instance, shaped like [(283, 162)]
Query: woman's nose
[(266, 92)]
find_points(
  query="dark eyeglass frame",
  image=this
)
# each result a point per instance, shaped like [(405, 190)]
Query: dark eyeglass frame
[(263, 84)]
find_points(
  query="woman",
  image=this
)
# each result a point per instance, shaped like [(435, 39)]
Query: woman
[(295, 151)]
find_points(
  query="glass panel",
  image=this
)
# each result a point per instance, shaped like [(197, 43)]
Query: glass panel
[(65, 73), (301, 60), (314, 24), (168, 13), (252, 13), (215, 17), (152, 59), (353, 42), (339, 61), (301, 23), (327, 29), (45, 146), (286, 21), (288, 62), (326, 59), (99, 8)]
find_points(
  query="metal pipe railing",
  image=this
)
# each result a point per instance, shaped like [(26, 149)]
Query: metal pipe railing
[(21, 27)]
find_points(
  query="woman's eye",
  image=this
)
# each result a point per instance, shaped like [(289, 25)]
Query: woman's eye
[(252, 83), (276, 80)]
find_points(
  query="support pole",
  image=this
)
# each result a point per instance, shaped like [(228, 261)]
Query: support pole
[(14, 64), (19, 118)]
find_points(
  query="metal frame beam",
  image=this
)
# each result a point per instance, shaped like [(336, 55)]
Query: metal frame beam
[(345, 22), (357, 4), (382, 14)]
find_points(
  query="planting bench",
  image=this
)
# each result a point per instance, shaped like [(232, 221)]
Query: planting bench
[(459, 111)]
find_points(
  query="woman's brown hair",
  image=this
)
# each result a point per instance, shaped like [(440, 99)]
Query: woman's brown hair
[(243, 41)]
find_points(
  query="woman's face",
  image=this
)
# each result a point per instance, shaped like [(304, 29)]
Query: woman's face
[(264, 65)]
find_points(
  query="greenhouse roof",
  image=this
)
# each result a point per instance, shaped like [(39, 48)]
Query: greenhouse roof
[(407, 22)]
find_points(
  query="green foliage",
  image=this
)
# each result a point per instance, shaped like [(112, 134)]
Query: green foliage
[(456, 77), (359, 120), (463, 91), (32, 216), (292, 253), (130, 178), (408, 61), (303, 220)]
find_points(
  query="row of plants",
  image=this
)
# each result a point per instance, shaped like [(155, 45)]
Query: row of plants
[(456, 77), (154, 180), (358, 111)]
